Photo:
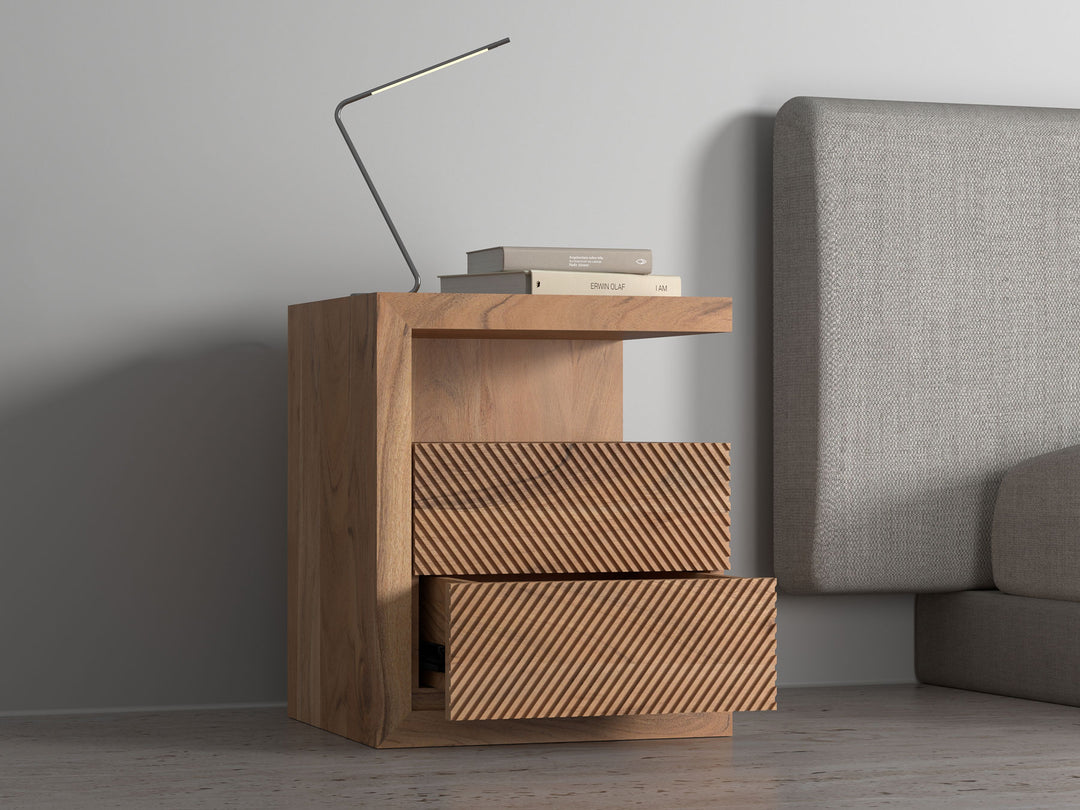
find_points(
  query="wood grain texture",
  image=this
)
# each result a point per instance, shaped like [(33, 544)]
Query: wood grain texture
[(353, 601), (432, 728), (298, 644), (433, 627), (560, 507), (429, 699), (586, 317), (517, 390), (315, 454), (610, 647), (391, 562), (350, 625)]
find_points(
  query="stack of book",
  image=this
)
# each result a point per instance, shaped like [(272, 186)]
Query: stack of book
[(561, 271)]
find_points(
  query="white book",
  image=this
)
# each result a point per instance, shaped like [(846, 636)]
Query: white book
[(562, 282)]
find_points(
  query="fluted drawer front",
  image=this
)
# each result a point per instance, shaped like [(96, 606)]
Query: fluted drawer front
[(580, 648), (566, 507)]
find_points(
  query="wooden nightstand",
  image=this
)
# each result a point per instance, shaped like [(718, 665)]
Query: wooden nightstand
[(476, 557)]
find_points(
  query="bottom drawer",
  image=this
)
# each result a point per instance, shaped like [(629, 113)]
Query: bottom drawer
[(603, 647)]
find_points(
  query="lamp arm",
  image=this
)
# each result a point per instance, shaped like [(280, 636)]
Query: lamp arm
[(371, 185), (360, 163)]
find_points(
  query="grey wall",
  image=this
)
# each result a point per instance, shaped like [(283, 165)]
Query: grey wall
[(170, 179)]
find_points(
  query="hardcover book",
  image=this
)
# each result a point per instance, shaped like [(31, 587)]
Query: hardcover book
[(594, 260), (561, 282)]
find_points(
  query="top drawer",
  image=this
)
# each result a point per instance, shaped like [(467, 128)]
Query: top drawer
[(570, 507)]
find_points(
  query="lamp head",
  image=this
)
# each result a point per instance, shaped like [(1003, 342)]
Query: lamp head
[(440, 66)]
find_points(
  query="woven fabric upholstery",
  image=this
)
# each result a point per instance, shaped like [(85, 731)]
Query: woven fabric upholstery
[(995, 642), (1035, 541), (926, 332)]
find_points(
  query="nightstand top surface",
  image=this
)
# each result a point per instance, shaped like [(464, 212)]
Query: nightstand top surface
[(580, 317)]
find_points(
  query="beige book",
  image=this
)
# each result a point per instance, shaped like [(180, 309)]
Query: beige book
[(562, 282)]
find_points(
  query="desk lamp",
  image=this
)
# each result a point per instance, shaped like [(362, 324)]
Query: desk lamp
[(356, 156)]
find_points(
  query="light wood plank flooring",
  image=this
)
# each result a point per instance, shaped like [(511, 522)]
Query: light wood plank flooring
[(881, 746)]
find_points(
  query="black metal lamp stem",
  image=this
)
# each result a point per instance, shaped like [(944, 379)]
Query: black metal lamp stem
[(360, 163), (374, 191)]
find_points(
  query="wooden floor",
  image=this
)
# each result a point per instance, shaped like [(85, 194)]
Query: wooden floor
[(884, 746)]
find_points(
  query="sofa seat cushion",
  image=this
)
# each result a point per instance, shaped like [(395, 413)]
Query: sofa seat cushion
[(999, 643), (1035, 537)]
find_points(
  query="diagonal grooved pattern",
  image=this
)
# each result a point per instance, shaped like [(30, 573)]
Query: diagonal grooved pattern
[(579, 648), (570, 507)]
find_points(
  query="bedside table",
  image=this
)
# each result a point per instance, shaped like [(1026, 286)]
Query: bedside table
[(476, 557)]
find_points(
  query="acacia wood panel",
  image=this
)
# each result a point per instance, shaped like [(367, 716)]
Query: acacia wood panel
[(316, 456), (533, 508), (610, 647), (350, 622), (430, 727), (557, 316), (433, 625), (352, 599), (517, 390)]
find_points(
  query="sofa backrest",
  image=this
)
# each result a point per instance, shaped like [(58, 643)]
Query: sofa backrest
[(926, 332)]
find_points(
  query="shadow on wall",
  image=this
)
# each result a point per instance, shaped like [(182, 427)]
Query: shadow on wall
[(142, 555), (734, 389), (861, 638)]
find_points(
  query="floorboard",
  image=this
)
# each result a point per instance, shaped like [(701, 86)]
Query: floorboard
[(880, 746)]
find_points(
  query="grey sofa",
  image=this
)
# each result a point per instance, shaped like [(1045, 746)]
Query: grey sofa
[(926, 385), (1022, 639)]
